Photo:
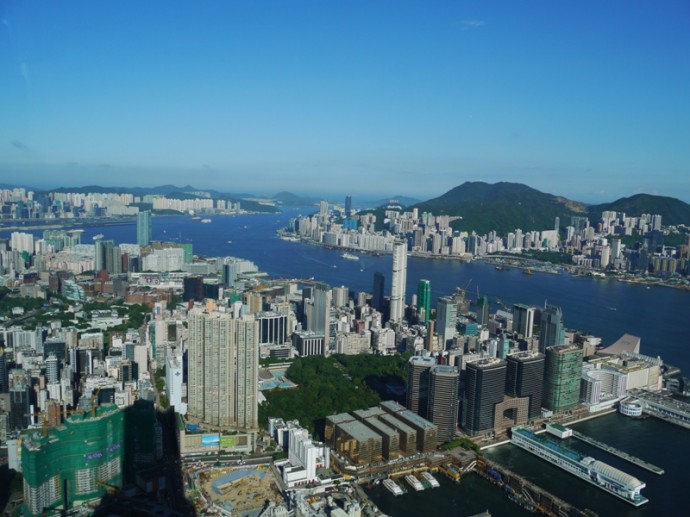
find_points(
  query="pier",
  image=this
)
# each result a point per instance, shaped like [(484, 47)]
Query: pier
[(525, 493), (617, 452)]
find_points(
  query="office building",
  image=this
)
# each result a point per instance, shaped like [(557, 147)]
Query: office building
[(446, 320), (144, 228), (348, 206), (485, 382), (193, 288), (398, 281), (424, 300), (444, 386), (76, 456), (523, 320), (483, 311), (525, 378), (562, 375), (418, 376), (223, 358), (551, 332), (318, 313)]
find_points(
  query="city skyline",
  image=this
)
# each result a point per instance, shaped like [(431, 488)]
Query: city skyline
[(392, 98)]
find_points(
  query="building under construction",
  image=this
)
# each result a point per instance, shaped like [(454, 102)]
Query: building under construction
[(73, 463)]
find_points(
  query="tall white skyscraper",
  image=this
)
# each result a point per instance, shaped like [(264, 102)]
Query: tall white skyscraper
[(398, 281), (223, 369)]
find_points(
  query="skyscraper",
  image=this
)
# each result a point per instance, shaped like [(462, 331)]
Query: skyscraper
[(348, 206), (483, 311), (446, 320), (562, 375), (424, 300), (442, 408), (484, 389), (398, 281), (223, 369), (4, 372), (418, 371), (525, 378), (144, 228), (551, 332), (523, 320), (318, 313)]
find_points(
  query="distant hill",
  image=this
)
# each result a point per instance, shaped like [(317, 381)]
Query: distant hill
[(671, 210), (402, 201), (502, 207), (290, 199)]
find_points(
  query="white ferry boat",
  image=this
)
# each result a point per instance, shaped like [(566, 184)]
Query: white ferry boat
[(96, 237), (349, 256), (429, 478), (414, 482), (206, 221), (392, 486), (606, 477)]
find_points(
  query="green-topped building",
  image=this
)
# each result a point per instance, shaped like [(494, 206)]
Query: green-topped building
[(71, 459)]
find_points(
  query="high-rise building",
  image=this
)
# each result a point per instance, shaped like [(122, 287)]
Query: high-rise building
[(193, 288), (483, 311), (348, 206), (442, 408), (144, 228), (398, 281), (52, 369), (377, 298), (84, 450), (341, 296), (318, 313), (446, 320), (551, 332), (562, 375), (484, 389), (223, 369), (20, 403), (418, 375), (525, 378), (424, 300), (523, 320)]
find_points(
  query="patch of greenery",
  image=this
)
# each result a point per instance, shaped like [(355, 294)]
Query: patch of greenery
[(326, 386), (465, 443)]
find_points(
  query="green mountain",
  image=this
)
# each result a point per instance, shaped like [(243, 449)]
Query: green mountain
[(502, 207), (671, 210)]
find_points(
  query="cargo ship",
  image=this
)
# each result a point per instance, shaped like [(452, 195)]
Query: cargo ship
[(598, 473), (392, 486)]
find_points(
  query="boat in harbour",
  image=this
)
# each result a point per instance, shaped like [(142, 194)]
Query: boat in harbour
[(392, 486), (349, 256), (429, 478), (206, 221), (414, 482)]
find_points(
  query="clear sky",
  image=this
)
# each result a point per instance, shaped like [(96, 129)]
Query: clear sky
[(585, 99)]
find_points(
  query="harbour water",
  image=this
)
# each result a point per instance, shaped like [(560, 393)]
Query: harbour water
[(659, 316)]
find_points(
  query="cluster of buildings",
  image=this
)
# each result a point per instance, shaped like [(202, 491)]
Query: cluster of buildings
[(23, 204), (591, 246), (84, 372)]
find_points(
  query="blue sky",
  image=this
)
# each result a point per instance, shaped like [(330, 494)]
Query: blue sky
[(585, 99)]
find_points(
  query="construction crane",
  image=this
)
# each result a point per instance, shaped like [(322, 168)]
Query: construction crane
[(462, 291)]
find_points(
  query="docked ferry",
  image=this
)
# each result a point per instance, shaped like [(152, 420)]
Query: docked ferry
[(606, 477), (392, 486), (414, 482), (429, 478)]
